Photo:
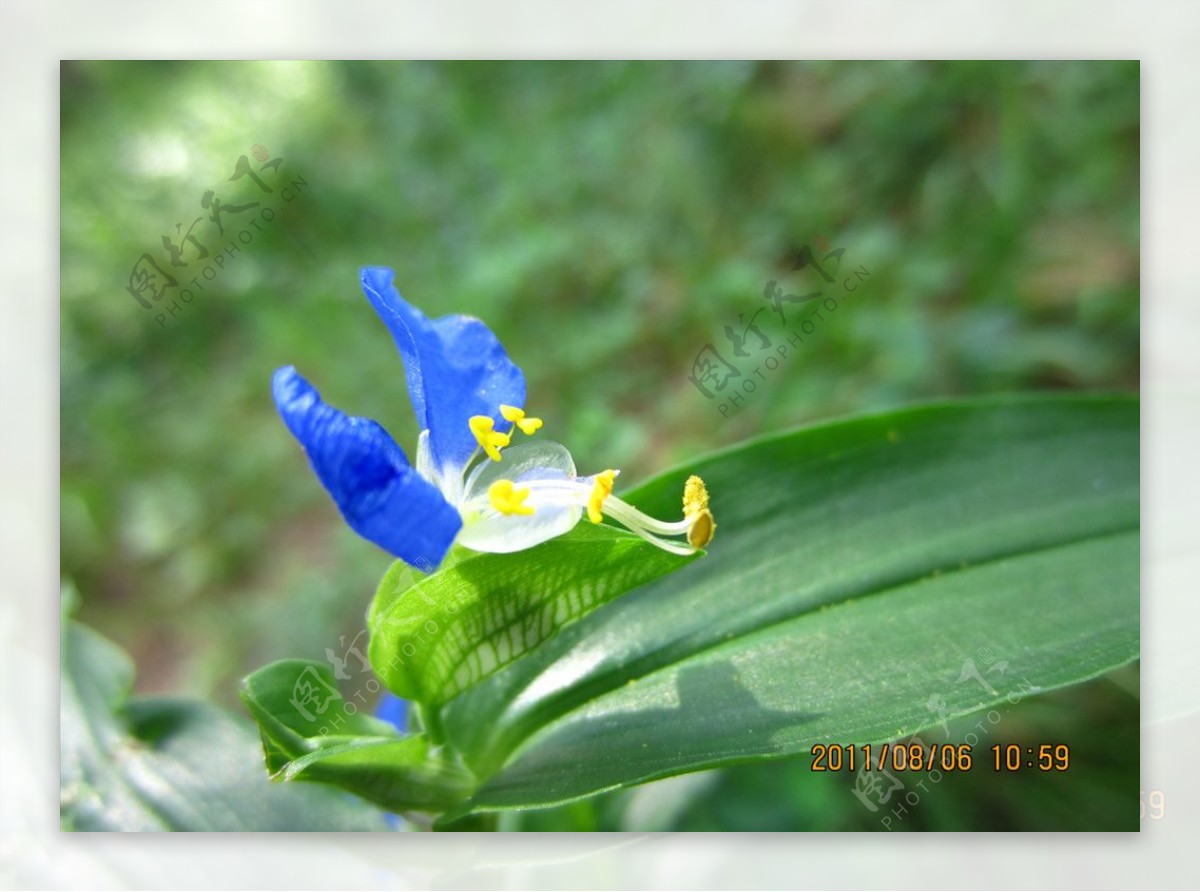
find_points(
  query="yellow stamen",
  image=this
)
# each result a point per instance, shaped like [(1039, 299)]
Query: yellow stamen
[(695, 496), (490, 439), (601, 490), (695, 508), (527, 424), (507, 499)]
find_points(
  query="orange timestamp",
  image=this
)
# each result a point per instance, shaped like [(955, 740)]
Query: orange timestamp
[(1045, 757), (1012, 757), (891, 757)]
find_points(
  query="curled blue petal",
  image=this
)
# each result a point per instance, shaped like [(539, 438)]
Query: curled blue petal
[(455, 368), (382, 498)]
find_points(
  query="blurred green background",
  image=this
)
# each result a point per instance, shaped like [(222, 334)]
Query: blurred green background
[(607, 221)]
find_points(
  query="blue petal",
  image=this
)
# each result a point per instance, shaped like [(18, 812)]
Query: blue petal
[(394, 710), (455, 368), (382, 498)]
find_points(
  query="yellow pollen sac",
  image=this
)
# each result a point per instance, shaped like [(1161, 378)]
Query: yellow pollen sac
[(601, 490), (695, 496), (527, 423), (507, 499), (490, 439), (702, 529), (695, 508)]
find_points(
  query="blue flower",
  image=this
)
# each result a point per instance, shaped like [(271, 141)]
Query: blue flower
[(469, 483)]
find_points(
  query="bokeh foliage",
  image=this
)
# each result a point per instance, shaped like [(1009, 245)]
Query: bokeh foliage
[(607, 220)]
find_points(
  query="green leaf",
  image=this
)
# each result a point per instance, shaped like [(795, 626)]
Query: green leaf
[(297, 704), (157, 763), (858, 566), (432, 637), (310, 732)]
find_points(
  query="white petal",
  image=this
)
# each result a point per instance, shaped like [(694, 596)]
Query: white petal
[(525, 461), (555, 511)]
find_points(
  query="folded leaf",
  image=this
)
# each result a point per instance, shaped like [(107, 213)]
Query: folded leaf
[(311, 732)]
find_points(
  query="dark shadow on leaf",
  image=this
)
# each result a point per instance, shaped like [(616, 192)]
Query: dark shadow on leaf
[(712, 691), (709, 695)]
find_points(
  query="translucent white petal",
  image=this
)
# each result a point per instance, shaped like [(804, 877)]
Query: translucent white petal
[(557, 508), (490, 531), (531, 460)]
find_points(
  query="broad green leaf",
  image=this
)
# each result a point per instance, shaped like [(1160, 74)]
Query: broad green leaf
[(432, 637), (156, 763), (858, 567), (310, 732)]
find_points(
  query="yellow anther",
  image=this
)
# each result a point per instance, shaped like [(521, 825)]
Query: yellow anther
[(527, 423), (695, 508), (700, 533), (508, 499), (601, 490), (695, 496), (492, 441)]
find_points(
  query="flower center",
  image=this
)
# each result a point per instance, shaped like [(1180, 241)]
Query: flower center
[(508, 499), (547, 483)]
